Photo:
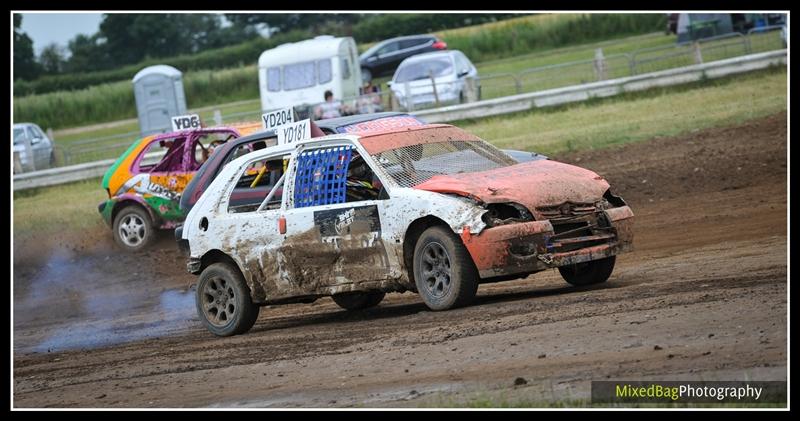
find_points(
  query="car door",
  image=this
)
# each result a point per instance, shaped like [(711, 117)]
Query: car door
[(414, 46), (166, 179), (179, 176), (247, 225), (39, 148), (334, 239), (387, 58)]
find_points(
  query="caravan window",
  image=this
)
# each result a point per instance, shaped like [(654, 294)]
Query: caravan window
[(298, 76), (324, 70), (274, 79)]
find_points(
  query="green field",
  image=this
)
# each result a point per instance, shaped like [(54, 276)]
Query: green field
[(595, 124)]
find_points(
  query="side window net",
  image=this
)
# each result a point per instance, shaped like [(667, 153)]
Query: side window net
[(255, 183), (322, 176)]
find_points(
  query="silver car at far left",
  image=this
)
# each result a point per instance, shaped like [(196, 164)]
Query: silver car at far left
[(41, 147)]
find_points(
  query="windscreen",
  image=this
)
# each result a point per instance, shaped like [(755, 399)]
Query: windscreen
[(414, 164), (19, 136), (423, 69)]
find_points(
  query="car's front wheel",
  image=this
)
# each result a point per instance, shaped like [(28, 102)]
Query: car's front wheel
[(358, 300), (588, 273), (133, 229), (444, 273), (223, 301)]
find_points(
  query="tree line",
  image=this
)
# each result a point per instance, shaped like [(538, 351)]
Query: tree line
[(125, 39)]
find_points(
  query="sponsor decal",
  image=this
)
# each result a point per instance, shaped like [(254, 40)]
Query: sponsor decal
[(348, 221)]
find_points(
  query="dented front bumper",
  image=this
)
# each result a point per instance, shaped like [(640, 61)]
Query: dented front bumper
[(528, 247)]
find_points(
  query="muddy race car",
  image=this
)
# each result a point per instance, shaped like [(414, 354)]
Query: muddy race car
[(428, 208), (144, 184)]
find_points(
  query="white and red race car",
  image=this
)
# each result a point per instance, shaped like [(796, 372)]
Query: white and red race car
[(429, 208)]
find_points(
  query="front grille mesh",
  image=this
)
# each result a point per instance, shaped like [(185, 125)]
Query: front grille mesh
[(566, 210)]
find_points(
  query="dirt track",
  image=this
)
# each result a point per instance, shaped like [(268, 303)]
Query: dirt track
[(702, 297)]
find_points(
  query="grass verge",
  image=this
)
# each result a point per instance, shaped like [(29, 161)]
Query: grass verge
[(638, 116)]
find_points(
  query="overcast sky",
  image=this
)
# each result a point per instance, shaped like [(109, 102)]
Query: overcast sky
[(44, 28)]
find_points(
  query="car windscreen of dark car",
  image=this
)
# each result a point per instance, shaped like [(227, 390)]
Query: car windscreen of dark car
[(372, 50), (423, 69), (19, 136)]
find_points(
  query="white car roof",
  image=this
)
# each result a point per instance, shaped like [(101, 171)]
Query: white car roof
[(427, 56)]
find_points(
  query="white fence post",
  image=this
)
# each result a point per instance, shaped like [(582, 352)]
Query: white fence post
[(409, 101), (29, 154), (17, 163), (433, 83), (600, 65), (217, 117), (698, 55), (472, 92)]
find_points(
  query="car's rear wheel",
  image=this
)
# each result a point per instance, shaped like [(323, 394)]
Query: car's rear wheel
[(444, 273), (133, 229), (223, 301), (358, 300), (588, 273)]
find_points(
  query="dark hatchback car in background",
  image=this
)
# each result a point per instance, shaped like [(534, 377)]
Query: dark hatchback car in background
[(383, 58)]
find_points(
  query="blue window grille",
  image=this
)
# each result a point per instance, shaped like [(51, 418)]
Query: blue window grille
[(322, 176)]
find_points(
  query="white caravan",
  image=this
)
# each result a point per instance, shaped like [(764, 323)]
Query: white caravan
[(299, 73)]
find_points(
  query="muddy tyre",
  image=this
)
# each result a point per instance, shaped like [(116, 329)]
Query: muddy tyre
[(588, 273), (358, 300), (444, 273), (133, 229), (223, 301)]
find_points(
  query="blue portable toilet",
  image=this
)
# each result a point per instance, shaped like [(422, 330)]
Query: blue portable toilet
[(159, 97)]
